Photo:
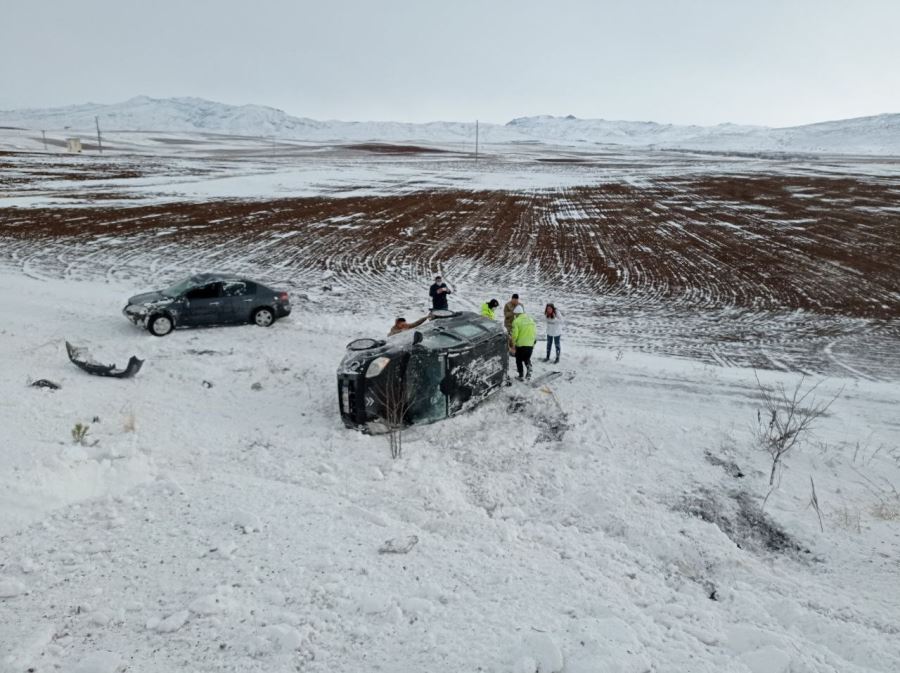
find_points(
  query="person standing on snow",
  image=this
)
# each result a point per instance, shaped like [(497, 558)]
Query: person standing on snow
[(508, 312), (554, 330), (522, 338), (439, 292), (487, 308)]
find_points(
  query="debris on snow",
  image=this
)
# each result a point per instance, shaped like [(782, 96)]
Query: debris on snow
[(82, 358), (731, 468), (740, 518), (244, 521), (171, 623), (45, 383), (400, 545)]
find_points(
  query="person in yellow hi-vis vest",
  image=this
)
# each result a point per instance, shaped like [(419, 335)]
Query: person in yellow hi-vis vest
[(522, 337), (487, 308)]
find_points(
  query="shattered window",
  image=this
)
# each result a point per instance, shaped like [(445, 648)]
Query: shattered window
[(440, 340), (469, 331)]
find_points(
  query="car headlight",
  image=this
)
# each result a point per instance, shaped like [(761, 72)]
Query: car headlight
[(377, 366)]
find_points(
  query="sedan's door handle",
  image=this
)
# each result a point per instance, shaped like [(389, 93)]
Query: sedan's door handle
[(248, 300), (214, 303)]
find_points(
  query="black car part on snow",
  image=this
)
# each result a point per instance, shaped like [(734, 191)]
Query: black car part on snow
[(83, 359)]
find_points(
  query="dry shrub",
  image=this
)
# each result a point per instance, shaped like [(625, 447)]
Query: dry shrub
[(886, 511), (848, 519)]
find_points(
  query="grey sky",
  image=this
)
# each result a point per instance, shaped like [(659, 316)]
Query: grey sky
[(767, 62)]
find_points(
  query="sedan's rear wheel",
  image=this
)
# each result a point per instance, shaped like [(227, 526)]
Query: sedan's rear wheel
[(263, 317), (160, 325)]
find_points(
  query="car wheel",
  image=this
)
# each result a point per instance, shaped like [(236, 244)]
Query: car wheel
[(263, 317), (160, 325)]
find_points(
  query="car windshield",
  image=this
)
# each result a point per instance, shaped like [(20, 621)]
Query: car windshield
[(180, 288)]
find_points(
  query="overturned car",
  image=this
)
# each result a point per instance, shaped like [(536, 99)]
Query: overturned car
[(448, 365)]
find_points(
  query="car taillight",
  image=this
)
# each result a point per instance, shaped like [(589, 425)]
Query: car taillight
[(283, 296)]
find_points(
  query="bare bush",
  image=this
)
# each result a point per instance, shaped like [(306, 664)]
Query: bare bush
[(888, 506), (786, 419), (396, 402), (849, 519), (886, 511)]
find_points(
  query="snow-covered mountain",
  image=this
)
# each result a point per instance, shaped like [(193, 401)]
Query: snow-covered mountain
[(878, 135), (193, 115)]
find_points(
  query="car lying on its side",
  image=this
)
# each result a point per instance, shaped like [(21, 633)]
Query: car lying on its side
[(207, 299), (446, 366)]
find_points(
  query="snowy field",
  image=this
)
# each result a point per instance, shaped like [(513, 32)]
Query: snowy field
[(217, 516), (217, 527), (775, 263)]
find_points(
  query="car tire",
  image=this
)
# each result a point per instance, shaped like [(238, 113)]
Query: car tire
[(160, 325), (264, 317)]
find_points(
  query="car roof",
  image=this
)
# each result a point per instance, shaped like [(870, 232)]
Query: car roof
[(215, 275)]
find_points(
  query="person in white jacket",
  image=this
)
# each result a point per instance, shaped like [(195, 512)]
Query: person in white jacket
[(554, 330)]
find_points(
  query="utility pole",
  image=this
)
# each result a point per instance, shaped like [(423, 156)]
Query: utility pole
[(476, 140), (99, 142), (44, 135)]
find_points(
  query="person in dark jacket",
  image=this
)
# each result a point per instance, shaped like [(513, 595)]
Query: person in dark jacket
[(439, 292)]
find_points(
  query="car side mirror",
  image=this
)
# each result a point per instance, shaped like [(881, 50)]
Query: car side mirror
[(417, 338)]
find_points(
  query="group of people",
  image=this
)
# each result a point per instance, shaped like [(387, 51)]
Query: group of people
[(522, 331), (521, 328)]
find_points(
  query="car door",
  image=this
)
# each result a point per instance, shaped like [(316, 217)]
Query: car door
[(205, 305), (239, 299)]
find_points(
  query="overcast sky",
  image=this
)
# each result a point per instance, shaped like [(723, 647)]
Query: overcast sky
[(772, 62)]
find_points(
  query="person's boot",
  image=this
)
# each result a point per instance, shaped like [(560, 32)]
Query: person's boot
[(556, 361), (528, 372)]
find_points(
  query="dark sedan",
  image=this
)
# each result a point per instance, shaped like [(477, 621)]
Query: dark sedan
[(207, 299)]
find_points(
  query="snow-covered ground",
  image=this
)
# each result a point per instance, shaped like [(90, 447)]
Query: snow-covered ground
[(209, 524)]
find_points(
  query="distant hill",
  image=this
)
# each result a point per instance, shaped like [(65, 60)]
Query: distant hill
[(878, 135)]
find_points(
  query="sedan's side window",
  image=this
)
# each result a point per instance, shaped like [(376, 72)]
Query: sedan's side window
[(239, 288), (210, 291)]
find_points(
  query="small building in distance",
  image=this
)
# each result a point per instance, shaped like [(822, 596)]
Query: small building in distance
[(73, 145)]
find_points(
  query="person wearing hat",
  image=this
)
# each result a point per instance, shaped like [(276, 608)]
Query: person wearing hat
[(487, 308), (439, 292), (522, 337), (508, 309)]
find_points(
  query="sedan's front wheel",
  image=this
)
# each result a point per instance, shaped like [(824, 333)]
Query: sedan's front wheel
[(263, 317), (160, 325)]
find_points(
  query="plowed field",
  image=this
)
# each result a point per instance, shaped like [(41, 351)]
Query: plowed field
[(791, 267)]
